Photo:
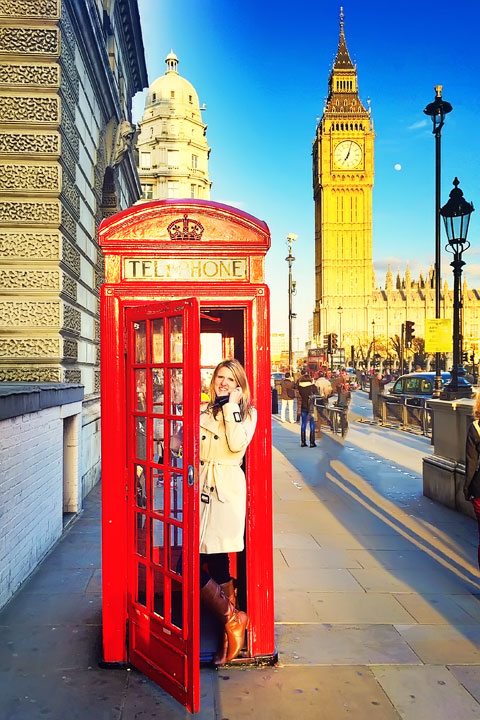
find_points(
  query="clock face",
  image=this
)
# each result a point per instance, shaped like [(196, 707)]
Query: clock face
[(347, 155)]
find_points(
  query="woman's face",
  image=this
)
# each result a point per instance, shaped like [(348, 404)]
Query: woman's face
[(224, 382)]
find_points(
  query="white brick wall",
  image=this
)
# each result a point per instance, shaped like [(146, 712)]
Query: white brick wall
[(31, 492)]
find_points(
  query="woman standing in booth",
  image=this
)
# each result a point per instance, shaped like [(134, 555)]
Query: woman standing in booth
[(227, 424), (471, 488)]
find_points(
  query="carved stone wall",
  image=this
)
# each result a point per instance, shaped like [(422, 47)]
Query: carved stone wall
[(59, 110), (31, 179)]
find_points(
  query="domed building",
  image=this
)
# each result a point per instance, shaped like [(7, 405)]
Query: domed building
[(172, 145)]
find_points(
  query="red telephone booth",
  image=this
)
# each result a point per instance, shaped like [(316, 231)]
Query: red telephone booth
[(184, 289)]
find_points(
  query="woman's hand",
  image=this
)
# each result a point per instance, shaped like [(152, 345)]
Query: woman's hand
[(236, 395)]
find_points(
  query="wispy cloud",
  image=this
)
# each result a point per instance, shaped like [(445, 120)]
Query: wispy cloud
[(418, 125)]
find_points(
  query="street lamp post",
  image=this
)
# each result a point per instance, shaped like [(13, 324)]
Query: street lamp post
[(340, 311), (291, 287), (373, 342), (437, 111), (456, 216)]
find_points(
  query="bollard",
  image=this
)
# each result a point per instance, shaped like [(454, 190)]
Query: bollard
[(274, 401)]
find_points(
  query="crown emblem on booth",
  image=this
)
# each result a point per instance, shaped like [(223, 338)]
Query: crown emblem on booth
[(185, 229)]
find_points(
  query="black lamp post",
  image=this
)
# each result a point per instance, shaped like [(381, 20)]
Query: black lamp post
[(291, 289), (373, 343), (456, 216), (437, 111)]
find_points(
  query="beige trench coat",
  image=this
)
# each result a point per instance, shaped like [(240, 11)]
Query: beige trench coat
[(223, 442)]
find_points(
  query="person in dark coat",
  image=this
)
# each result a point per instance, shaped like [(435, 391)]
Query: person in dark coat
[(471, 488), (287, 397), (307, 389)]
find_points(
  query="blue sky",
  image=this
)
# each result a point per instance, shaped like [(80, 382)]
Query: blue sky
[(262, 66)]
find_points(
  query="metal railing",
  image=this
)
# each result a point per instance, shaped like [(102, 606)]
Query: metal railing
[(335, 417), (407, 412)]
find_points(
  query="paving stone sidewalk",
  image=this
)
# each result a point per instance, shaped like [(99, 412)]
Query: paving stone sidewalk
[(377, 607)]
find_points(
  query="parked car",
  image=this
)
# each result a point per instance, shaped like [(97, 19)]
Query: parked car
[(417, 384)]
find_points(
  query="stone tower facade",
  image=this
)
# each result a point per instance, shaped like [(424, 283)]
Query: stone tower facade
[(172, 146), (348, 301), (68, 71), (342, 188)]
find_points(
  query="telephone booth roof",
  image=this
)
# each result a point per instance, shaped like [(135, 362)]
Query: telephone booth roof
[(164, 223)]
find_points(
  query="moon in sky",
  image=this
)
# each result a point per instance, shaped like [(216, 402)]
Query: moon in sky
[(397, 166)]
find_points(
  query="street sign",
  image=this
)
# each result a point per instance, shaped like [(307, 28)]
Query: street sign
[(438, 335)]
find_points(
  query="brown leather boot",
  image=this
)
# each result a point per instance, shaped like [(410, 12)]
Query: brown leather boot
[(234, 620), (220, 657)]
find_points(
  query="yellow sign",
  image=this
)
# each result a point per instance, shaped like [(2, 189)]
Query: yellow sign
[(438, 335), (185, 269)]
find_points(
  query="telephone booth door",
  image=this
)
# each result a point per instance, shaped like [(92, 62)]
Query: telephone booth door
[(162, 367)]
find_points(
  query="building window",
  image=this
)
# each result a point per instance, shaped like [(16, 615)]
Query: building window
[(190, 98), (194, 162), (192, 191), (147, 191), (154, 96), (172, 189), (172, 156), (145, 161)]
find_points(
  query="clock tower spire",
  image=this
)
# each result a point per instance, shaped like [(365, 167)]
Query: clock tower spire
[(342, 190)]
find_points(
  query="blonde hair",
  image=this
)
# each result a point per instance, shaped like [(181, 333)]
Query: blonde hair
[(240, 377), (476, 407)]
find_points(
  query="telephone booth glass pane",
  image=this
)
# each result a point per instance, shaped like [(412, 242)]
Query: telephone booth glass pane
[(158, 440), (140, 341), (158, 541), (141, 390), (176, 339), (158, 491), (176, 548), (158, 402), (141, 534), (141, 496), (158, 593), (176, 496), (177, 604), (157, 340), (141, 433), (141, 594), (176, 391), (176, 444)]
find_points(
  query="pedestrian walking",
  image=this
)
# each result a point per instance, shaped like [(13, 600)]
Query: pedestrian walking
[(307, 391), (227, 424), (287, 397), (471, 488), (377, 384), (324, 390)]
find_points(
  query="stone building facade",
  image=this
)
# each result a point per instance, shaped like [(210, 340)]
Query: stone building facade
[(172, 146), (68, 71), (348, 300)]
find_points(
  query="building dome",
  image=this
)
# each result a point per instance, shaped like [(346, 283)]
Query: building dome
[(173, 89)]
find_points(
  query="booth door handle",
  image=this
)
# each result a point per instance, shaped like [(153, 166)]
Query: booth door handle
[(190, 475)]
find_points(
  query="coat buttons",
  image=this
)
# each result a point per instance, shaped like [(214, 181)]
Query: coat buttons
[(212, 489), (204, 437), (215, 437), (201, 462)]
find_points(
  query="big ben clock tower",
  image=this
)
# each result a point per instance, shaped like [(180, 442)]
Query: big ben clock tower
[(342, 191)]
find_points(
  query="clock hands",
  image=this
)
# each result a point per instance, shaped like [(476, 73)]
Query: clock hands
[(348, 153)]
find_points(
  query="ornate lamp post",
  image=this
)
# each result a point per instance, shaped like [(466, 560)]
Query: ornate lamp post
[(340, 310), (291, 287), (437, 111), (373, 342), (456, 216)]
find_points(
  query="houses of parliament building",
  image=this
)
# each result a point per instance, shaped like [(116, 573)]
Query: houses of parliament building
[(347, 299)]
